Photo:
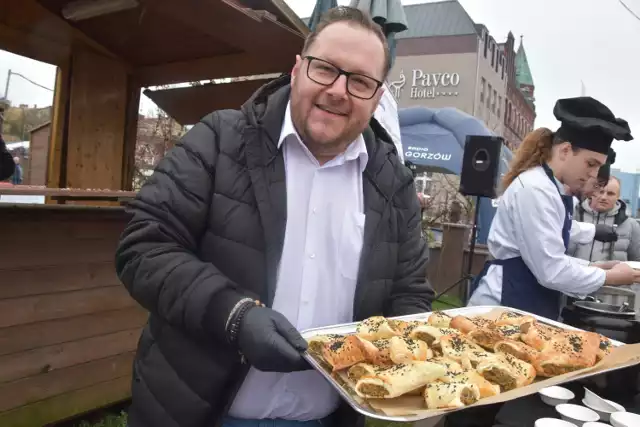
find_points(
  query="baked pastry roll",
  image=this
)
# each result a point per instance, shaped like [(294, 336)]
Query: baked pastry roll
[(429, 334), (507, 371), (468, 324), (452, 368), (375, 328), (513, 318), (316, 344), (360, 370), (517, 349), (402, 327), (486, 388), (439, 319), (398, 380), (510, 332), (463, 351), (604, 348), (567, 353), (395, 350), (537, 335), (486, 337), (344, 352), (439, 395)]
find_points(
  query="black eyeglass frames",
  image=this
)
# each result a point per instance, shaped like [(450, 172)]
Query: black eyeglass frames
[(325, 73)]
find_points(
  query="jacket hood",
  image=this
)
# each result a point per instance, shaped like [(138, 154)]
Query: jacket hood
[(267, 106), (619, 208)]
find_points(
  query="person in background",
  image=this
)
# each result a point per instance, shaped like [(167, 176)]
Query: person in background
[(291, 213), (605, 209), (585, 232), (16, 179), (530, 233), (7, 165)]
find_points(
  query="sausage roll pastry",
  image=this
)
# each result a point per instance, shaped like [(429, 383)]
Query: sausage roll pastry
[(486, 388), (468, 324), (537, 334), (375, 328), (604, 348), (510, 332), (567, 353), (439, 395), (452, 368), (344, 352), (513, 318), (517, 349), (507, 371), (439, 319), (463, 351), (398, 380), (395, 350), (316, 344), (429, 334), (360, 370), (486, 337)]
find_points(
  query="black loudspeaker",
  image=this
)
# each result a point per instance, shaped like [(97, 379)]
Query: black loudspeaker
[(480, 166)]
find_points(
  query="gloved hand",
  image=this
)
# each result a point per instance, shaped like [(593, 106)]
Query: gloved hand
[(606, 233), (270, 343)]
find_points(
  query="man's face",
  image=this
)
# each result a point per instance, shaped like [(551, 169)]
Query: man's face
[(593, 186), (606, 198), (329, 118), (580, 167)]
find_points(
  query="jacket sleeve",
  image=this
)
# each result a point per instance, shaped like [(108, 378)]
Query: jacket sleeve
[(7, 166), (633, 253), (156, 257), (411, 292)]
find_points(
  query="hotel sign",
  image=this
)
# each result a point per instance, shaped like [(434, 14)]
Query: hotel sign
[(427, 85)]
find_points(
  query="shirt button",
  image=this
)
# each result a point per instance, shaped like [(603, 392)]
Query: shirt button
[(312, 256), (313, 210)]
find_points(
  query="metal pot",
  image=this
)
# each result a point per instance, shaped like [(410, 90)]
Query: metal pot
[(615, 296), (609, 310)]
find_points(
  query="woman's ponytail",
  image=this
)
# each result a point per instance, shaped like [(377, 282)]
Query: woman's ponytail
[(534, 151)]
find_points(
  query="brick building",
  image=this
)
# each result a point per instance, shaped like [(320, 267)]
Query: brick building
[(520, 110)]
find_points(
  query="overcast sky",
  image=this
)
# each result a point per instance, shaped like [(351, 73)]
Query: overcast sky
[(567, 41)]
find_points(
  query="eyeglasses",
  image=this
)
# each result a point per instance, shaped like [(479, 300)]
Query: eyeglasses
[(325, 73)]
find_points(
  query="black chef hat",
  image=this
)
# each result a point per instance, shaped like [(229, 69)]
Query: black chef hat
[(589, 124), (605, 170)]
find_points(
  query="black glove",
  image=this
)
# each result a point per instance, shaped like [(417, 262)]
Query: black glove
[(270, 343), (606, 233)]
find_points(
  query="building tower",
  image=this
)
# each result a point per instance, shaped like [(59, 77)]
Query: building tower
[(524, 79)]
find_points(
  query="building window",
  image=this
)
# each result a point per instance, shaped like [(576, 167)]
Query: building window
[(493, 55), (489, 97), (493, 103), (483, 85), (499, 103), (502, 67), (486, 43)]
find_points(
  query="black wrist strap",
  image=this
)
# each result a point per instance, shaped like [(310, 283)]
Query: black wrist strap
[(236, 319)]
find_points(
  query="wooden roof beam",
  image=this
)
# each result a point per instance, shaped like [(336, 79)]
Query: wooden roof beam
[(33, 46), (233, 65), (36, 20), (236, 26)]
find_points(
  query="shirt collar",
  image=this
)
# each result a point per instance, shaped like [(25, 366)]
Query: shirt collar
[(356, 150)]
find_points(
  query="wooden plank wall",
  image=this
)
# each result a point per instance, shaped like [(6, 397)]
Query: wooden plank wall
[(68, 328)]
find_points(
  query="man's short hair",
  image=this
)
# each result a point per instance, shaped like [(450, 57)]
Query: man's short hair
[(353, 16)]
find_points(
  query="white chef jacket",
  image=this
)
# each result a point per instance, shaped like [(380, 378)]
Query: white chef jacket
[(528, 224), (581, 232)]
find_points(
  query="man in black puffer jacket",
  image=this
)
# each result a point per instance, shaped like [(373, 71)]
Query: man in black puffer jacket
[(7, 165), (299, 201)]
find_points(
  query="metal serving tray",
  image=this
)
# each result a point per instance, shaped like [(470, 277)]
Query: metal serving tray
[(349, 328)]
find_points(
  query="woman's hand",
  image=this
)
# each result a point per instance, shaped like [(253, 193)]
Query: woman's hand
[(622, 274)]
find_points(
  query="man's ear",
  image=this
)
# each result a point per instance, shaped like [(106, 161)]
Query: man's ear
[(296, 67)]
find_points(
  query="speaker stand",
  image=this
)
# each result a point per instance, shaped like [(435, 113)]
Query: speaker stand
[(468, 277)]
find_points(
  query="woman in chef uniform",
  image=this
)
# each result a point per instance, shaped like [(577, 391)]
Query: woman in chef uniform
[(530, 231)]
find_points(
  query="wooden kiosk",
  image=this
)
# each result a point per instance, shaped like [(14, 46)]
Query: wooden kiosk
[(68, 328)]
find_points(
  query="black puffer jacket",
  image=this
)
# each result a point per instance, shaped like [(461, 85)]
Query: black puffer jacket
[(208, 229), (7, 166)]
